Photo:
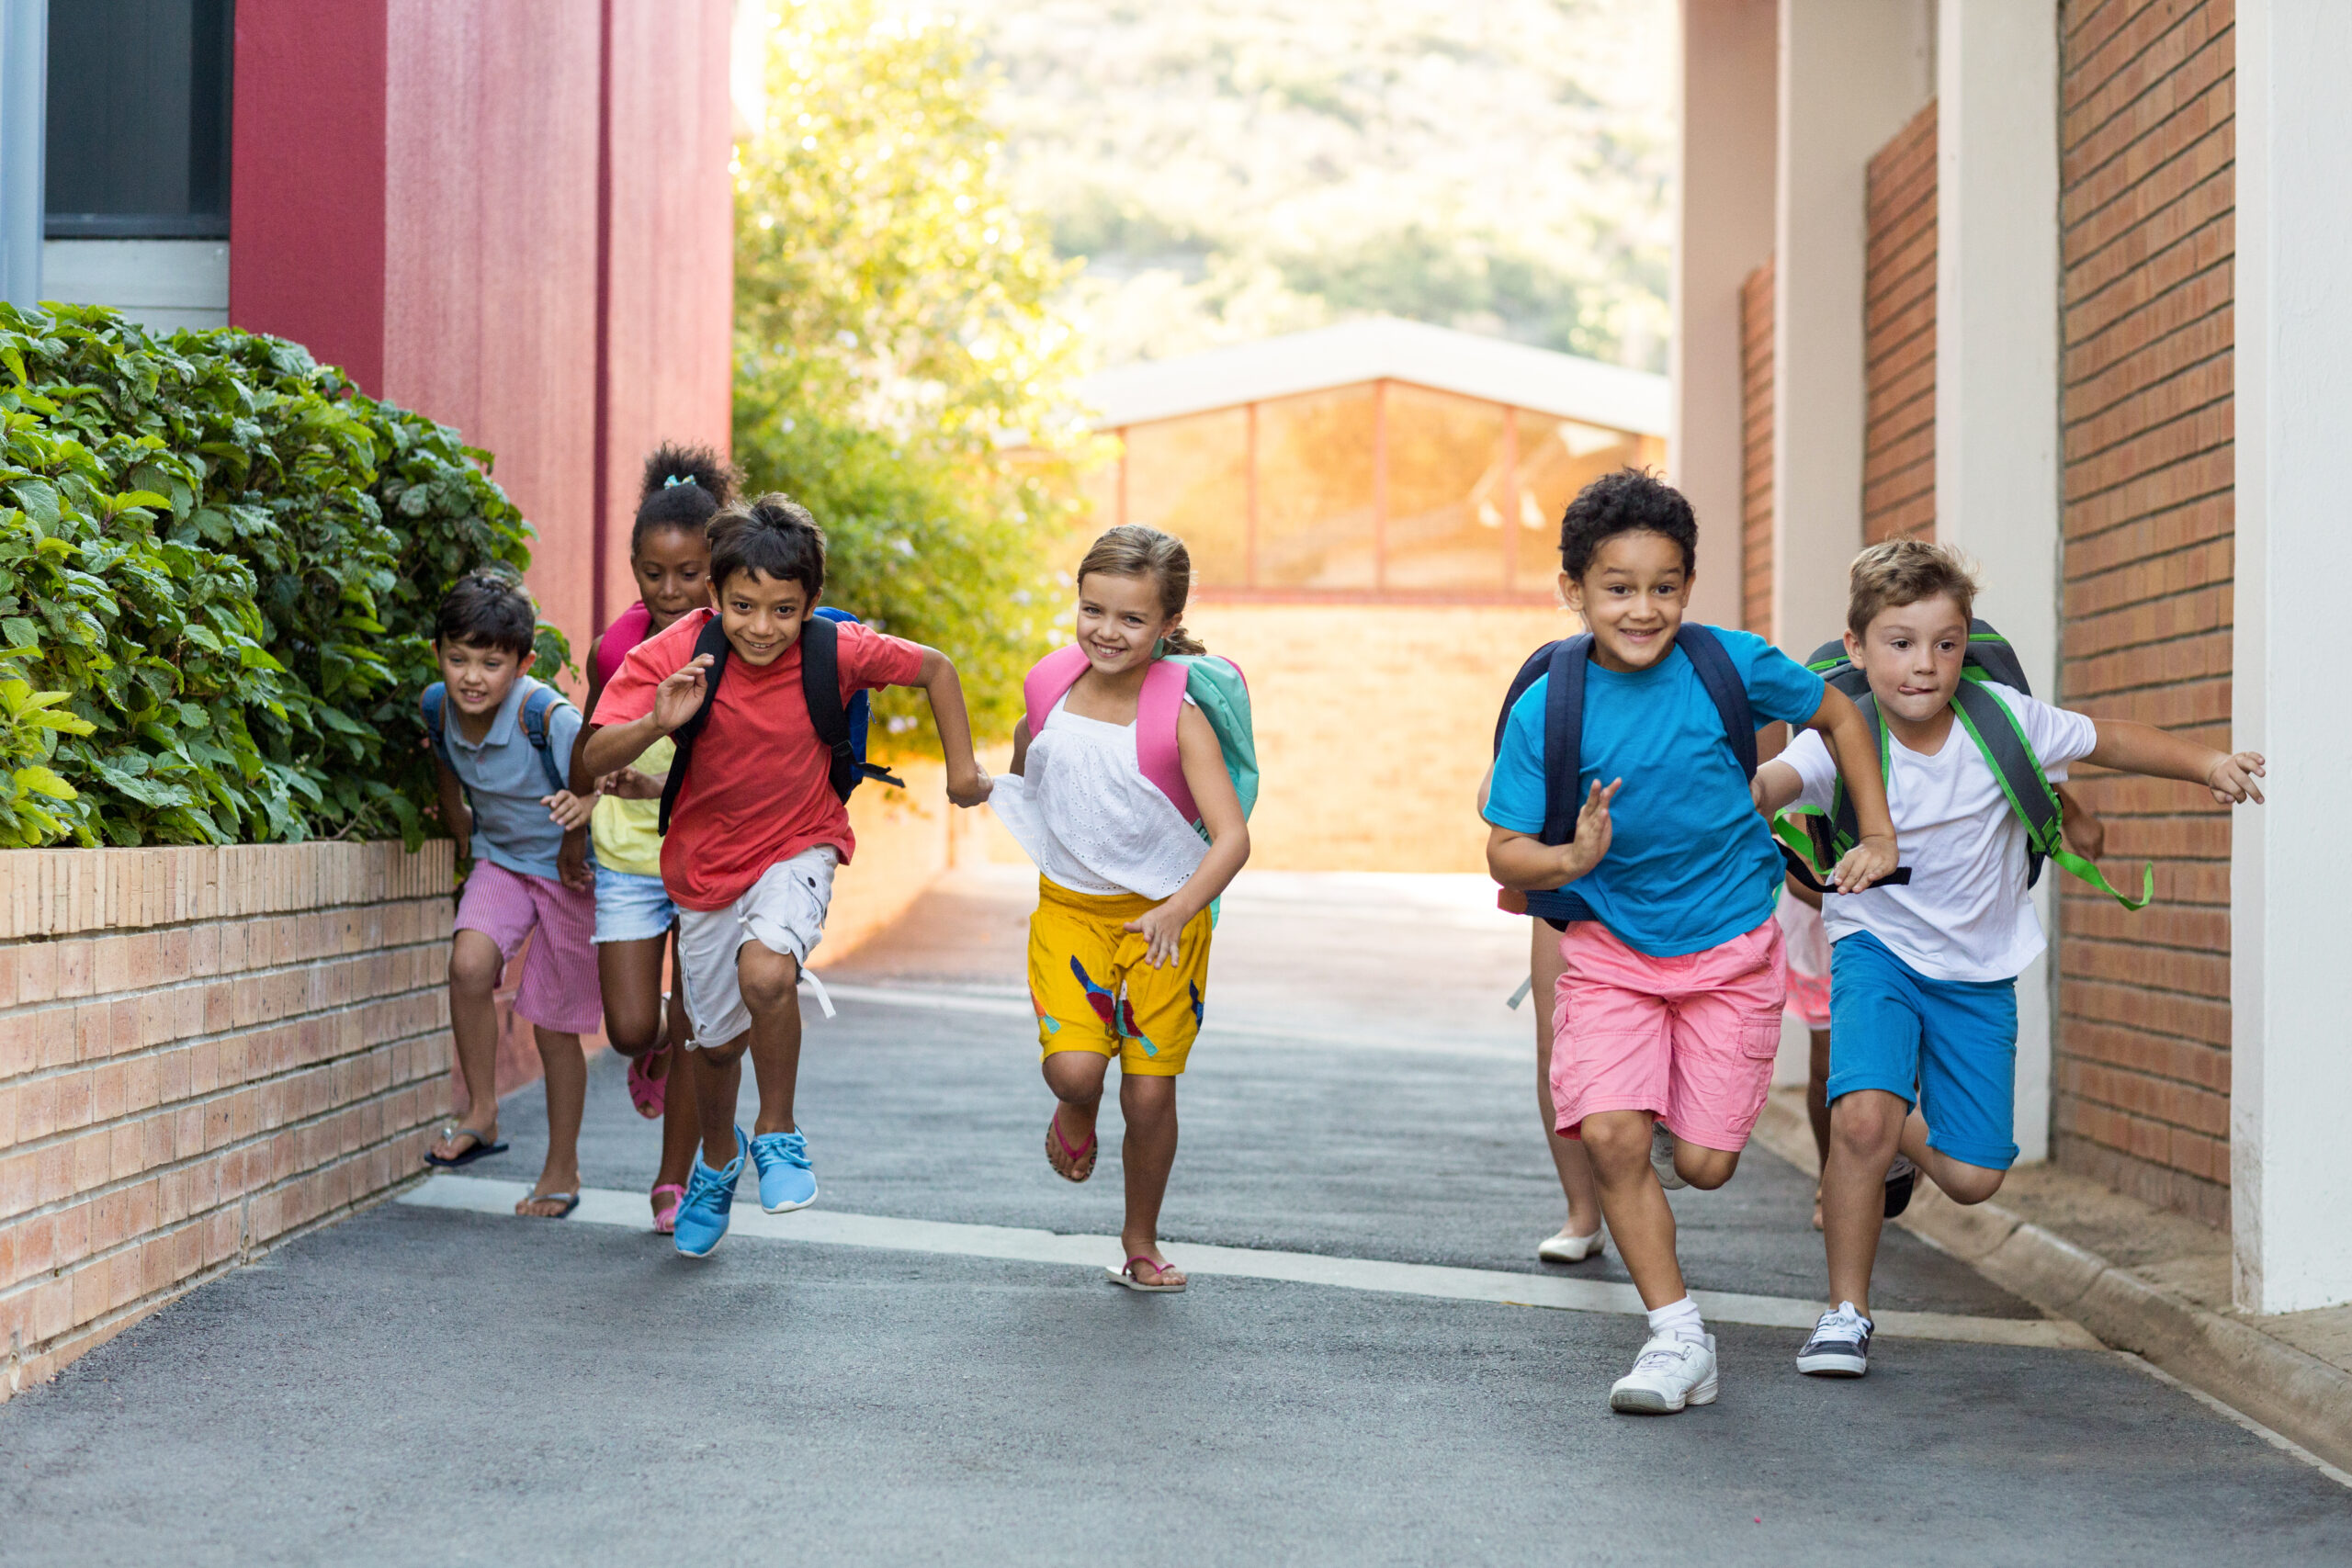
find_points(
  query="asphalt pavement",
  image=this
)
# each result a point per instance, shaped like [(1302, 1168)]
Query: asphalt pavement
[(422, 1384)]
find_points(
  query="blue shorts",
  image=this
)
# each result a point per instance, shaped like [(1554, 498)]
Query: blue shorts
[(630, 908), (1948, 1046)]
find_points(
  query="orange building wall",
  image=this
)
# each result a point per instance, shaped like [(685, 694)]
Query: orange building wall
[(2141, 1098)]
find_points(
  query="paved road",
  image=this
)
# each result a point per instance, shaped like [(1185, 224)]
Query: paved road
[(421, 1385)]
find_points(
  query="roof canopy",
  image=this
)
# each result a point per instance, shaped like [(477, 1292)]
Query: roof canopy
[(1381, 348)]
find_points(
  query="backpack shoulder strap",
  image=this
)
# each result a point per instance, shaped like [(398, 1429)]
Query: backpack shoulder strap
[(821, 688), (437, 702), (1563, 735), (1048, 682), (1530, 671), (1720, 676), (711, 639), (1990, 653), (1219, 689), (2001, 737), (1158, 708), (537, 708)]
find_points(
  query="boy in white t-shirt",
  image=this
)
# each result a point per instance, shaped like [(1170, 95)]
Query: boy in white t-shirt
[(1922, 995)]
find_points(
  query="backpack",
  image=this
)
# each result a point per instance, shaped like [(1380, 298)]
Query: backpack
[(1216, 687), (841, 727), (1561, 664), (1812, 839), (537, 705)]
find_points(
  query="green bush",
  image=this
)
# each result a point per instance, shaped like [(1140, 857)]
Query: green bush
[(218, 567)]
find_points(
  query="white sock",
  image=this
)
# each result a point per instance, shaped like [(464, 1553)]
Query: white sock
[(1680, 1319)]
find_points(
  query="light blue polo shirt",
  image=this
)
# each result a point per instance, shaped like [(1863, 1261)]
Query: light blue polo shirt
[(1691, 864), (505, 781)]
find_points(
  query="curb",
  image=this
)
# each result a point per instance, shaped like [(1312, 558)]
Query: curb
[(2302, 1396)]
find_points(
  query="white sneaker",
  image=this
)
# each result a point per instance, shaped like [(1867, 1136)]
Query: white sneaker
[(1662, 1158), (1567, 1248), (1671, 1372)]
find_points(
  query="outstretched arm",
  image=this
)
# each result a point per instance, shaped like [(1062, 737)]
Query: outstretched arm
[(1850, 740), (966, 783), (2142, 748), (1775, 786), (676, 700)]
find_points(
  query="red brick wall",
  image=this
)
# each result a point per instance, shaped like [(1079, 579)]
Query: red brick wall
[(1756, 438), (2141, 1097), (1899, 337)]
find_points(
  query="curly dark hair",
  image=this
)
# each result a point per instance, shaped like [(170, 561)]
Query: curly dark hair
[(684, 487), (488, 607), (771, 536), (1631, 500)]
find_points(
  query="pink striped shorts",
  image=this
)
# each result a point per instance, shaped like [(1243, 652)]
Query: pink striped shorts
[(559, 989)]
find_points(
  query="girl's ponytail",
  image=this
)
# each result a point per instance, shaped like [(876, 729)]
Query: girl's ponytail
[(1133, 550), (685, 488)]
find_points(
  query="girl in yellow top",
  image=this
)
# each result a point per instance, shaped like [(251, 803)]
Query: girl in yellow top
[(670, 558)]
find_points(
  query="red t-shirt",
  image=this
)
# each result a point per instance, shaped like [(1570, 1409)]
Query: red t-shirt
[(760, 789)]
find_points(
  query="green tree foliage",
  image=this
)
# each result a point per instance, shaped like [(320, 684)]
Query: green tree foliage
[(898, 363), (218, 568)]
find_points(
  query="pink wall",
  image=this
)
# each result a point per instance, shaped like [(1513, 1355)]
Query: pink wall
[(417, 200)]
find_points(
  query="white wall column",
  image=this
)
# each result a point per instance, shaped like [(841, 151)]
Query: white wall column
[(2291, 1045), (24, 142), (1998, 405), (1723, 230), (1851, 73)]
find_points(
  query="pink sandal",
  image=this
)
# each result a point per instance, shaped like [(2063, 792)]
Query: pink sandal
[(1080, 1157), (665, 1216), (649, 1094), (1135, 1281)]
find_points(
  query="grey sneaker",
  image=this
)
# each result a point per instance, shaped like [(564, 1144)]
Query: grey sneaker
[(1662, 1158), (1901, 1180), (1840, 1346)]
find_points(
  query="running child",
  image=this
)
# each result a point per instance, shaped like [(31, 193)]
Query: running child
[(669, 556), (759, 823), (498, 738), (1668, 1012), (1119, 945), (1923, 998)]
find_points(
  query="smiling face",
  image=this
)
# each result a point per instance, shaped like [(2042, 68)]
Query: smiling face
[(672, 570), (1912, 654), (761, 615), (1632, 597), (1119, 621), (478, 677)]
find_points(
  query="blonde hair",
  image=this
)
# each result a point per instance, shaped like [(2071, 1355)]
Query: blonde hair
[(1133, 550), (1905, 572)]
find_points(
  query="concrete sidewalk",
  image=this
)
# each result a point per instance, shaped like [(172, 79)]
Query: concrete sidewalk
[(432, 1384)]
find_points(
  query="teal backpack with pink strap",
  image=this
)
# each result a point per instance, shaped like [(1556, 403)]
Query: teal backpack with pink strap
[(1216, 687)]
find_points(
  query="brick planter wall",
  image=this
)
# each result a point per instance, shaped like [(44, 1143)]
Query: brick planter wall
[(202, 1053)]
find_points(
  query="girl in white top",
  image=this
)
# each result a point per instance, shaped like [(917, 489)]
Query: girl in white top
[(1119, 946)]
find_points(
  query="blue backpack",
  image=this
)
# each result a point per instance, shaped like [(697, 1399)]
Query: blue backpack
[(540, 702), (840, 726)]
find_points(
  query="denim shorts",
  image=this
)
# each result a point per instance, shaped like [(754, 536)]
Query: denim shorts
[(630, 908)]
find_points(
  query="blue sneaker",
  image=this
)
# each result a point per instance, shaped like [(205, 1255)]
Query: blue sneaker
[(710, 1194), (786, 1181)]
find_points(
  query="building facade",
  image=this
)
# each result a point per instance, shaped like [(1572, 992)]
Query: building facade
[(2049, 281)]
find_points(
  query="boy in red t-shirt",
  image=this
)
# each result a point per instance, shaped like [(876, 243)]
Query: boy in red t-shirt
[(757, 828)]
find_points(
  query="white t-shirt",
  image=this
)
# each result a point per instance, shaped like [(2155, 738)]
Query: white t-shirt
[(1966, 914), (1088, 818)]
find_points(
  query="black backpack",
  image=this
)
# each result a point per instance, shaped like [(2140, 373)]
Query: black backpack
[(840, 727), (1812, 839)]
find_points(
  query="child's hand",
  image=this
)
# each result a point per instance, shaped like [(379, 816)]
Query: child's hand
[(2232, 778), (628, 784), (567, 810), (1162, 930), (679, 697), (972, 789), (1866, 863), (1594, 830), (571, 867)]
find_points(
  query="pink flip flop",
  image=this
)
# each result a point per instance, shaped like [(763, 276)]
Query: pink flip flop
[(1079, 1155), (1134, 1282), (665, 1216), (649, 1095)]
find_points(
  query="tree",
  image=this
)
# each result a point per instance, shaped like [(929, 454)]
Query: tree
[(900, 367)]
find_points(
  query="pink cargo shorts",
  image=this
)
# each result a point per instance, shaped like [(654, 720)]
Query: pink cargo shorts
[(1690, 1038)]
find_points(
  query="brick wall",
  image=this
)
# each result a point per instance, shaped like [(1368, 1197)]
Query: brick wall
[(1899, 337), (2142, 1059), (202, 1053), (1755, 454)]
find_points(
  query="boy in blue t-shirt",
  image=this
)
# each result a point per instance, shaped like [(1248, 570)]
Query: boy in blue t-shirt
[(1668, 1012)]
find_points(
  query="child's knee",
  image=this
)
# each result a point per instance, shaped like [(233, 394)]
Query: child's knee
[(1076, 1077), (1617, 1141), (475, 963), (1705, 1168), (1969, 1184), (770, 981), (1866, 1123)]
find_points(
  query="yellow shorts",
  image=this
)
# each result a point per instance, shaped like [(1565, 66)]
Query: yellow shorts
[(1094, 991)]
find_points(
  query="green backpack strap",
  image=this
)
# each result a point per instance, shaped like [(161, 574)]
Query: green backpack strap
[(1216, 688), (2002, 739), (1820, 839)]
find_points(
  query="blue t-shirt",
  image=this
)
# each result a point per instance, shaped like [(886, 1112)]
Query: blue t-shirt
[(1691, 864), (506, 782)]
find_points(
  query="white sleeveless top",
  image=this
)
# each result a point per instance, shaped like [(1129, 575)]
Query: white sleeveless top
[(1083, 810)]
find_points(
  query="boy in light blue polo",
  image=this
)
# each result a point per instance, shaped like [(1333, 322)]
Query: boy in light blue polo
[(502, 740)]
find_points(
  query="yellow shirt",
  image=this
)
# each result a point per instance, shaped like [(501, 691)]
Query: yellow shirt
[(627, 833)]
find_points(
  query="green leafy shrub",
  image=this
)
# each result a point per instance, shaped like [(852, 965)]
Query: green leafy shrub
[(218, 567)]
